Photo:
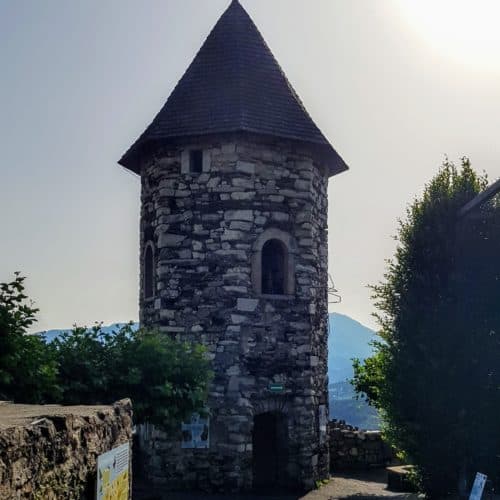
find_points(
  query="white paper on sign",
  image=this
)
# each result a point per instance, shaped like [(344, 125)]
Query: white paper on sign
[(113, 474), (478, 487)]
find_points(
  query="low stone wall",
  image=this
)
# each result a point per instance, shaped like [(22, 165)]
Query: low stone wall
[(351, 448), (50, 452)]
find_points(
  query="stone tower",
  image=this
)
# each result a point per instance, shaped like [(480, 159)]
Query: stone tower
[(234, 255)]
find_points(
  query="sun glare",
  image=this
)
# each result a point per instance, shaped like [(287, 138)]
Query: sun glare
[(467, 31)]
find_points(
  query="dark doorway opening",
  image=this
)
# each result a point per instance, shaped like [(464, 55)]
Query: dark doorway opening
[(270, 452)]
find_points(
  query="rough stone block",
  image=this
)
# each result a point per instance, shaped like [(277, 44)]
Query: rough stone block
[(167, 314), (233, 370), (240, 226), (236, 289), (167, 240), (243, 196), (245, 167), (301, 185), (172, 329), (276, 198), (228, 148), (237, 319), (306, 242), (239, 254), (213, 182), (243, 183), (243, 215), (230, 235), (247, 305), (280, 216)]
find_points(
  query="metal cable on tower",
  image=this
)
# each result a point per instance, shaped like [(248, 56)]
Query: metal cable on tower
[(333, 295)]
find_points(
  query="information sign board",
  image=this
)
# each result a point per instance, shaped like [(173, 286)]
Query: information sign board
[(113, 474), (195, 434)]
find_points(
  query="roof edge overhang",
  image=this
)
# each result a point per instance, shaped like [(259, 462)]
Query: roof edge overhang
[(324, 152)]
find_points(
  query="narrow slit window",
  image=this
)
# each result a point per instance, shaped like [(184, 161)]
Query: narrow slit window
[(196, 161), (273, 268), (148, 273)]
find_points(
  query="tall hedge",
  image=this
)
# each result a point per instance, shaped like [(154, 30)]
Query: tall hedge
[(435, 372)]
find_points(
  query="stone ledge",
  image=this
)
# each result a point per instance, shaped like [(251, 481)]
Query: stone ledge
[(19, 415), (51, 451)]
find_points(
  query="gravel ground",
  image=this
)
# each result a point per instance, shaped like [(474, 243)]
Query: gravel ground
[(363, 485), (370, 485)]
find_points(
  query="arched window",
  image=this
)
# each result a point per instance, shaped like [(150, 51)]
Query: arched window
[(274, 254), (149, 281), (273, 263)]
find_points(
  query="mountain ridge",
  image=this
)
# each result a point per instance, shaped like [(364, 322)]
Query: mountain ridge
[(347, 339)]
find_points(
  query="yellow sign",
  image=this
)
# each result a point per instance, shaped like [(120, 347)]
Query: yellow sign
[(113, 481)]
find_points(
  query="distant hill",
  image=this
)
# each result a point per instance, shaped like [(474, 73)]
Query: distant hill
[(51, 335), (347, 339)]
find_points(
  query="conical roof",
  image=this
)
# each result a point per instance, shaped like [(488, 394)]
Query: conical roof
[(234, 84)]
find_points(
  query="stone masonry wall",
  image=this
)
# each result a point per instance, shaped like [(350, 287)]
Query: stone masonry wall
[(205, 230), (351, 448), (50, 452)]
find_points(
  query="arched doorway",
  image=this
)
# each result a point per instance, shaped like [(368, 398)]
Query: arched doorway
[(270, 452)]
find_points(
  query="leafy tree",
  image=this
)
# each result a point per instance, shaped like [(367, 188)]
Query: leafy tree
[(429, 374), (27, 368), (166, 379), (83, 370)]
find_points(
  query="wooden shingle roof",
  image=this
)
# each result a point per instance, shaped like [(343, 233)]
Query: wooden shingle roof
[(234, 84)]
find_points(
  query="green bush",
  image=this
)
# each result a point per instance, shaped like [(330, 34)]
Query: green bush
[(166, 379)]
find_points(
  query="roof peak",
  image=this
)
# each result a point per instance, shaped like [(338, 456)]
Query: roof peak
[(234, 84), (235, 4)]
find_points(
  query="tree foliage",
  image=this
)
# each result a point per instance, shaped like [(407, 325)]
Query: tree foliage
[(28, 370), (435, 372), (166, 379)]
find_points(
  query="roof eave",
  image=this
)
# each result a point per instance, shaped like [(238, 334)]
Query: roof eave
[(338, 164), (130, 160)]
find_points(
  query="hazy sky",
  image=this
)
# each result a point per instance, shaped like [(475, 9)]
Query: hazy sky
[(395, 85)]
